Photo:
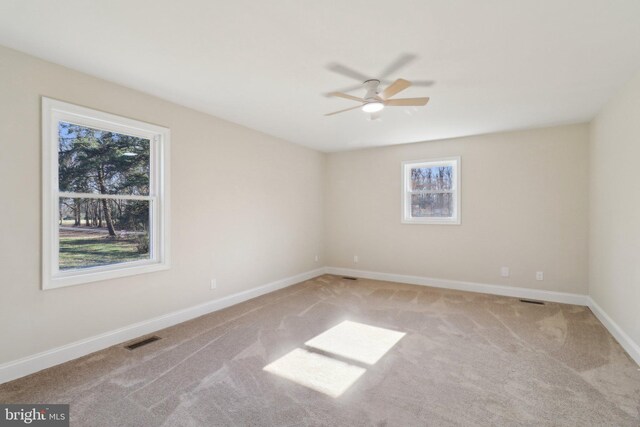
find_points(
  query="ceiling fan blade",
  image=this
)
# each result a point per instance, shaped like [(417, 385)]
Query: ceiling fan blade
[(406, 102), (395, 87), (346, 96), (422, 83), (345, 89), (399, 63), (342, 111), (346, 71)]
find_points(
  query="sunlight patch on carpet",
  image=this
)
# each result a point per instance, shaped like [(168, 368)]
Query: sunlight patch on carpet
[(330, 372), (357, 341), (316, 371)]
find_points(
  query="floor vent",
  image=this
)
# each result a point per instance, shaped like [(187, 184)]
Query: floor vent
[(349, 278), (528, 301), (142, 342)]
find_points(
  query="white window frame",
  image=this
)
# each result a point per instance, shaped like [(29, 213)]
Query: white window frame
[(54, 111), (406, 217)]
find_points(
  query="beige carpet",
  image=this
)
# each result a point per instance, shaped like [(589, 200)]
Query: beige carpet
[(356, 353)]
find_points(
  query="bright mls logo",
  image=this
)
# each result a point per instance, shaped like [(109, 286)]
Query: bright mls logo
[(34, 415)]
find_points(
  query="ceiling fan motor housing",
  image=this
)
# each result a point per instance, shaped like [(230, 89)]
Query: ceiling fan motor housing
[(372, 89)]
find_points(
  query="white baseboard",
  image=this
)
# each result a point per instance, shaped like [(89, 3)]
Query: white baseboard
[(632, 348), (46, 359), (508, 291), (623, 339), (37, 362)]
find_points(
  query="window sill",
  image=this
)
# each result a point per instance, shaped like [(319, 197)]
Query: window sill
[(76, 277), (431, 221)]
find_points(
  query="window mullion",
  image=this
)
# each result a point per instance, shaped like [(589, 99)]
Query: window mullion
[(71, 195), (431, 191)]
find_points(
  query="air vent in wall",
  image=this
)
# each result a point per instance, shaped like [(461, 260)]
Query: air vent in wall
[(140, 343), (528, 301)]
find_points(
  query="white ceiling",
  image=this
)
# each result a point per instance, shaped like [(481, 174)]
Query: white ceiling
[(497, 64)]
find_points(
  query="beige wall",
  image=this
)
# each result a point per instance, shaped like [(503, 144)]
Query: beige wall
[(614, 268), (524, 205), (246, 209)]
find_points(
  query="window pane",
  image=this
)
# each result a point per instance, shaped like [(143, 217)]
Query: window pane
[(96, 161), (432, 205), (432, 178), (95, 232)]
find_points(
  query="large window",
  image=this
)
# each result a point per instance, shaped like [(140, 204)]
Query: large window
[(431, 191), (105, 195)]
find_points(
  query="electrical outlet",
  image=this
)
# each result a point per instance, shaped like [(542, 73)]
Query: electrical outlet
[(355, 259), (214, 284), (504, 271), (317, 258), (539, 275)]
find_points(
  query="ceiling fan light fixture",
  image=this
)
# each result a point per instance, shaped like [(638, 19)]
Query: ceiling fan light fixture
[(374, 100), (372, 107)]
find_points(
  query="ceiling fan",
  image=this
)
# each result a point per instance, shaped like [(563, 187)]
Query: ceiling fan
[(400, 62), (374, 100)]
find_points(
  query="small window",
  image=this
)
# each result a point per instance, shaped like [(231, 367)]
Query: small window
[(431, 191), (105, 198)]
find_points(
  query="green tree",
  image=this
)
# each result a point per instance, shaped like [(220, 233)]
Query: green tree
[(96, 161)]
